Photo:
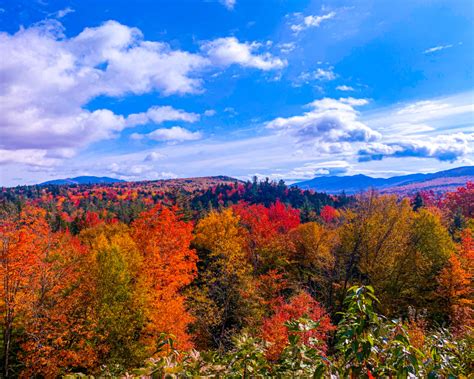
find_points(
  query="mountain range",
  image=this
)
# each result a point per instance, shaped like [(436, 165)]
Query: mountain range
[(83, 180), (439, 182)]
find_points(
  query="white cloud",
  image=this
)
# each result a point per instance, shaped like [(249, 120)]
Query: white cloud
[(160, 114), (228, 51), (312, 169), (47, 79), (63, 12), (437, 48), (331, 126), (32, 157), (448, 113), (344, 88), (442, 147), (154, 156), (407, 128), (175, 134), (420, 130), (319, 74), (354, 102), (312, 22), (138, 172), (229, 4), (38, 128), (423, 107), (134, 64)]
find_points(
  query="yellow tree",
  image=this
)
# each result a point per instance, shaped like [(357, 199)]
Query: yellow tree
[(221, 297), (429, 250), (397, 250), (311, 258), (374, 237)]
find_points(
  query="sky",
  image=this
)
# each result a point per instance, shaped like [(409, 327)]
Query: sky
[(285, 89)]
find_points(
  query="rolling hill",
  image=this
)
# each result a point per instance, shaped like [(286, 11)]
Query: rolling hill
[(83, 180), (439, 182), (189, 184)]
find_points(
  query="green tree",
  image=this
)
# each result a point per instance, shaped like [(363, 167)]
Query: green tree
[(119, 295)]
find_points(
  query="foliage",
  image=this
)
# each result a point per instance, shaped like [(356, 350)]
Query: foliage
[(169, 264), (263, 279), (221, 297), (275, 331), (367, 346)]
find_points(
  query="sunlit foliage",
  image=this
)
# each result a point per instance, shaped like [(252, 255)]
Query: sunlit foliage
[(262, 279)]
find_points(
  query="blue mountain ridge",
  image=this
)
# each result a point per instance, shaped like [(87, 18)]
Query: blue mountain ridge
[(358, 183)]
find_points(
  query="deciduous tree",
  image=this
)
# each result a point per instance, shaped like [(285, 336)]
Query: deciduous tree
[(169, 264), (276, 333)]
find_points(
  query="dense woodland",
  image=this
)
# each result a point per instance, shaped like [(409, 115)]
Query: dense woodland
[(235, 280)]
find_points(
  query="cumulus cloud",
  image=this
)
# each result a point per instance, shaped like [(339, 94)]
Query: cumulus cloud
[(312, 22), (39, 128), (174, 134), (160, 114), (331, 125), (47, 79), (228, 51), (442, 147)]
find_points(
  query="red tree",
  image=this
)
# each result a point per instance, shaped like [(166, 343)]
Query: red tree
[(461, 200), (328, 214), (275, 331)]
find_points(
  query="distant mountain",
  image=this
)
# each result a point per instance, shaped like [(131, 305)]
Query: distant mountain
[(439, 182), (184, 183), (83, 180)]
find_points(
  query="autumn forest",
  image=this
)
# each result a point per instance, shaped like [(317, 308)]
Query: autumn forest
[(218, 277)]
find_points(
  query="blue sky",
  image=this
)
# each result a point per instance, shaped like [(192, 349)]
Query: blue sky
[(279, 89)]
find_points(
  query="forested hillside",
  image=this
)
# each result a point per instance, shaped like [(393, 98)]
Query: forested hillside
[(234, 279)]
